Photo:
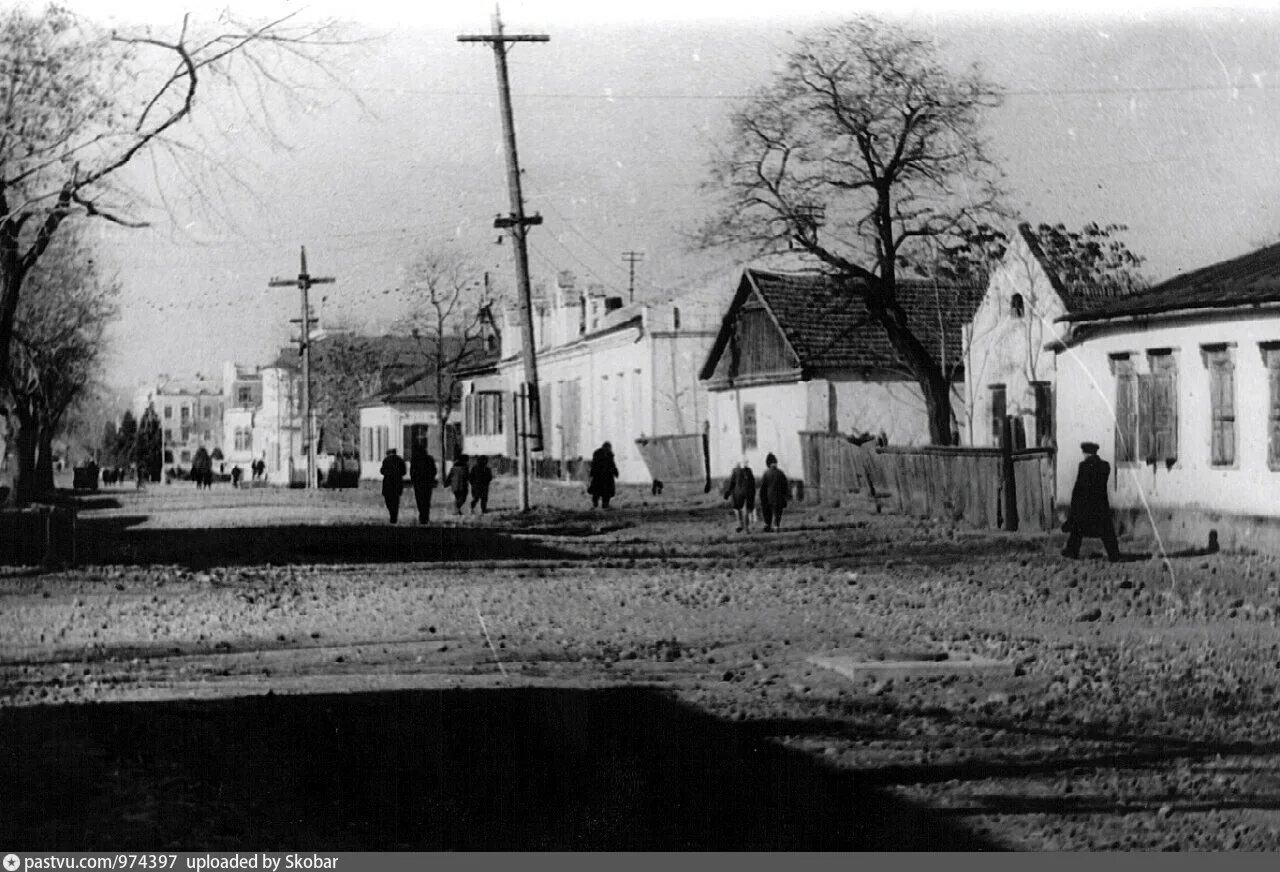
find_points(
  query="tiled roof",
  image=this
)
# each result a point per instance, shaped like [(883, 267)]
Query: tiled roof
[(1248, 280), (829, 326), (1076, 296)]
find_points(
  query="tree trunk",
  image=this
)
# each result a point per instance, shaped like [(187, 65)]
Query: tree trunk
[(928, 373), (44, 460), (24, 482)]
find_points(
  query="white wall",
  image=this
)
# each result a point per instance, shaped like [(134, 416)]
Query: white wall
[(395, 419), (1002, 348), (1086, 397)]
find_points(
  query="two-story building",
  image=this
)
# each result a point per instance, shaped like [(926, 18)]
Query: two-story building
[(190, 412)]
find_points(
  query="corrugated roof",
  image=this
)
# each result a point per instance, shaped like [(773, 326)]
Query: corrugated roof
[(1249, 280), (829, 327)]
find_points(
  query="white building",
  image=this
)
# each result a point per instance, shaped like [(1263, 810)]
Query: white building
[(798, 352), (190, 412), (1010, 367), (399, 418), (1180, 385), (607, 372)]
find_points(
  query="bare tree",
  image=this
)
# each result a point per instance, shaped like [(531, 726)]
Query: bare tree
[(79, 104), (57, 348), (344, 371), (449, 319), (866, 152)]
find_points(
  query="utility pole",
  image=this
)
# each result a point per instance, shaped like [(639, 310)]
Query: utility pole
[(517, 223), (303, 283), (632, 258)]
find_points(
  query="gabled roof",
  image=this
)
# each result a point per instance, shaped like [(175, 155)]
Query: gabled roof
[(828, 327), (1252, 279), (1076, 296)]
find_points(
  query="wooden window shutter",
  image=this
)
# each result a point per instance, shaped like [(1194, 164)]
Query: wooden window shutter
[(1126, 416), (1273, 417), (1146, 419)]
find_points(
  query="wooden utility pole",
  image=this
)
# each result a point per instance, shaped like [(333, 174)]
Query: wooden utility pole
[(303, 283), (517, 223), (632, 258)]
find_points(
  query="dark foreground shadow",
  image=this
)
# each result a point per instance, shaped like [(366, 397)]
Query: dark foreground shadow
[(526, 769), (116, 540)]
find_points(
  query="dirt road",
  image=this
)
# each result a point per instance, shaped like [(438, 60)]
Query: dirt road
[(1134, 707)]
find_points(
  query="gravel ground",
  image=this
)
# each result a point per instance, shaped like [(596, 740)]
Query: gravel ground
[(1138, 711)]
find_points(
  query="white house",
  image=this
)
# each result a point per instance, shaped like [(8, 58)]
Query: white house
[(797, 351), (1180, 385), (190, 411), (1010, 367), (606, 372)]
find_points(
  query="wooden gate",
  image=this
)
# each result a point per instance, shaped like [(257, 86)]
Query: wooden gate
[(674, 458)]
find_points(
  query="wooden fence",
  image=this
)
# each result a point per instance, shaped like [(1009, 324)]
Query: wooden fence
[(675, 458), (957, 484)]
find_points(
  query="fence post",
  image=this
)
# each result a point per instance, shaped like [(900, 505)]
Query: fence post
[(1006, 473)]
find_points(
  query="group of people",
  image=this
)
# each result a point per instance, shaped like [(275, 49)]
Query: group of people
[(202, 469), (466, 477), (774, 492)]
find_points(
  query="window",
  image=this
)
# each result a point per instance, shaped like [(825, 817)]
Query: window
[(675, 318), (186, 414), (1158, 412), (1043, 392), (1222, 404), (748, 426), (482, 413), (244, 439), (1016, 308), (244, 395), (1126, 412), (168, 413), (1271, 353), (168, 436), (208, 412), (999, 408), (186, 457), (366, 443)]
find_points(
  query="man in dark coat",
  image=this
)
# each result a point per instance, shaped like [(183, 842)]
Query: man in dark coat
[(422, 472), (603, 473), (773, 494), (392, 482), (741, 489), (480, 477), (457, 481), (1090, 513)]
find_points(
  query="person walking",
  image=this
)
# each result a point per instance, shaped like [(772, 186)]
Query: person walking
[(392, 482), (1090, 512), (201, 468), (480, 477), (457, 482), (602, 476), (774, 490), (422, 472), (741, 490)]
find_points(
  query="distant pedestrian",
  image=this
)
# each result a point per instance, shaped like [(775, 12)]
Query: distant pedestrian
[(422, 472), (740, 489), (1090, 512), (602, 475), (236, 474), (480, 477), (774, 492), (201, 468), (458, 482), (392, 482)]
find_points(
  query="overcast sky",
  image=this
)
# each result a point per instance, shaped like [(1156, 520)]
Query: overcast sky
[(1166, 119)]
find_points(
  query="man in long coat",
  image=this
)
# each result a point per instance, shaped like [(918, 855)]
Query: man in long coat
[(602, 475), (422, 472), (773, 494), (1090, 513), (392, 482), (740, 489)]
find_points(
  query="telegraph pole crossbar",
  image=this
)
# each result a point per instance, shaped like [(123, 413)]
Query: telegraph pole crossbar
[(518, 224), (303, 283)]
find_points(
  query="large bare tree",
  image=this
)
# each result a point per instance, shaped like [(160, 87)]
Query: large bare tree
[(79, 104), (866, 151), (448, 319)]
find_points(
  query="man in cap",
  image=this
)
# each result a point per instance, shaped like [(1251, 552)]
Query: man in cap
[(1090, 512)]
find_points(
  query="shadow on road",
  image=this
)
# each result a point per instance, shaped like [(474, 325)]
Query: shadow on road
[(525, 769), (119, 540)]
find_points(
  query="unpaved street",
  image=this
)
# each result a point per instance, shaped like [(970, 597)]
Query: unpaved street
[(1137, 709)]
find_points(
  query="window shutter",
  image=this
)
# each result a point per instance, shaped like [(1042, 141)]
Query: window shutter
[(1146, 418), (1126, 422), (1165, 415), (1273, 373)]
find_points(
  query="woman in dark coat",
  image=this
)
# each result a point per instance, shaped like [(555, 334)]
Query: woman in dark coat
[(422, 472), (457, 482), (602, 476), (741, 489), (392, 482), (773, 494), (1090, 513), (201, 468), (480, 477)]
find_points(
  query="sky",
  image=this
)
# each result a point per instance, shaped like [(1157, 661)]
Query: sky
[(1164, 118)]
